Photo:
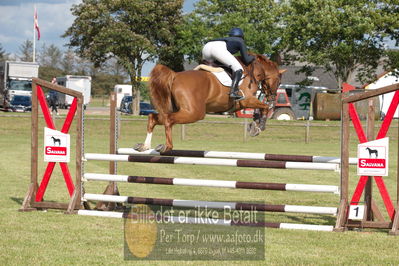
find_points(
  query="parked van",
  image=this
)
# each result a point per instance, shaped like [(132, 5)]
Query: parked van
[(77, 83), (16, 80), (121, 91)]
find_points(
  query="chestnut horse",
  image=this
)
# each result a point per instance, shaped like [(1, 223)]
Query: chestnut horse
[(185, 97)]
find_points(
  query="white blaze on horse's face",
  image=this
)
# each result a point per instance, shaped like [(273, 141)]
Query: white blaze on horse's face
[(147, 142)]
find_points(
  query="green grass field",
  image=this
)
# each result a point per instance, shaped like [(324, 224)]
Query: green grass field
[(51, 237), (99, 101)]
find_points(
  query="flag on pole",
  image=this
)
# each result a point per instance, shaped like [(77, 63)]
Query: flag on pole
[(36, 24)]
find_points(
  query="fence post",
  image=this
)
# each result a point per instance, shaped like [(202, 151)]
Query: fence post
[(368, 191), (183, 132), (307, 132), (245, 129)]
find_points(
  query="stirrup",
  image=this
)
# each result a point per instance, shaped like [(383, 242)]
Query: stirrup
[(236, 96)]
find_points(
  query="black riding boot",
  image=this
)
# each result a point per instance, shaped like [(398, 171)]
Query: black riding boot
[(234, 85)]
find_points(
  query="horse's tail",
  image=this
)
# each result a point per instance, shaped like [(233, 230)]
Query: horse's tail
[(161, 79)]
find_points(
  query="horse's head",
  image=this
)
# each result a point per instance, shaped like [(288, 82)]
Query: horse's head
[(267, 76)]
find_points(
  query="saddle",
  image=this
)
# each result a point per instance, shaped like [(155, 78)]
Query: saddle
[(223, 74)]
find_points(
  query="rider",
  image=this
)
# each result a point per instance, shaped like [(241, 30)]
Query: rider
[(222, 50)]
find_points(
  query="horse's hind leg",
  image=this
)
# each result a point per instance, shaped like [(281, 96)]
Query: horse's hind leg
[(153, 120), (180, 117)]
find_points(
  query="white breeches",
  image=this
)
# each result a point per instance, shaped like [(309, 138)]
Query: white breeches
[(218, 51)]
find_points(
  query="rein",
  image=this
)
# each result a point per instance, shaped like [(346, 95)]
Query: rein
[(262, 86)]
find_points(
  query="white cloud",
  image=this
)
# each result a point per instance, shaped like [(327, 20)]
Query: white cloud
[(17, 22), (54, 18)]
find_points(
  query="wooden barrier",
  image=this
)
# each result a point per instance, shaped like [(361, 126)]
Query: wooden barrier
[(34, 197), (373, 217)]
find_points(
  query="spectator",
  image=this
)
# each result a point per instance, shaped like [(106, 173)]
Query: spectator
[(53, 98)]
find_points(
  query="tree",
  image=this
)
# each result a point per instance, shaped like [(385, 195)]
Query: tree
[(391, 25), (83, 66), (214, 18), (343, 36), (40, 56), (112, 67), (53, 56), (133, 32), (392, 59), (50, 56), (3, 54), (104, 83), (68, 62), (49, 72), (26, 51)]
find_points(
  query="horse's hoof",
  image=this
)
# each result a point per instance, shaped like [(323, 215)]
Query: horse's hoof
[(254, 131), (262, 123), (140, 147), (160, 148), (249, 127), (262, 126)]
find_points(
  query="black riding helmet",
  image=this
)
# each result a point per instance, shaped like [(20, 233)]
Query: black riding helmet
[(236, 32)]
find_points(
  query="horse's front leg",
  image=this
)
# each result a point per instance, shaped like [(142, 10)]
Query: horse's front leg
[(260, 116), (263, 118), (153, 120)]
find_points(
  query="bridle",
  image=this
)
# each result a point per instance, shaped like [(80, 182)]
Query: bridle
[(263, 86), (270, 94)]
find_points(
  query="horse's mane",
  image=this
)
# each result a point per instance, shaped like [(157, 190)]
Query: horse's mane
[(262, 58)]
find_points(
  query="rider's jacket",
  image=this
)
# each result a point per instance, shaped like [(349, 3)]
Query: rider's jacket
[(237, 44)]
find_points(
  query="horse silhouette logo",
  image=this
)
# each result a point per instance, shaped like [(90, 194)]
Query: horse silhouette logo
[(56, 141), (371, 152)]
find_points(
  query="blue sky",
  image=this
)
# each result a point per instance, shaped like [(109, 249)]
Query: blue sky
[(54, 16)]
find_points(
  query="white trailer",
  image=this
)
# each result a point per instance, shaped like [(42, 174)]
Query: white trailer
[(121, 91), (386, 79), (76, 83), (16, 79)]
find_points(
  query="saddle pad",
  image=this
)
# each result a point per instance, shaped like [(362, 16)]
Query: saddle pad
[(219, 72), (208, 68)]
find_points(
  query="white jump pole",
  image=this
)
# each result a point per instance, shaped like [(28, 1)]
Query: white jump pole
[(211, 183), (212, 204), (209, 221), (210, 161), (238, 155)]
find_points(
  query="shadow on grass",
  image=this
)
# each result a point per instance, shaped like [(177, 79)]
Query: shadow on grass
[(17, 200), (20, 200)]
